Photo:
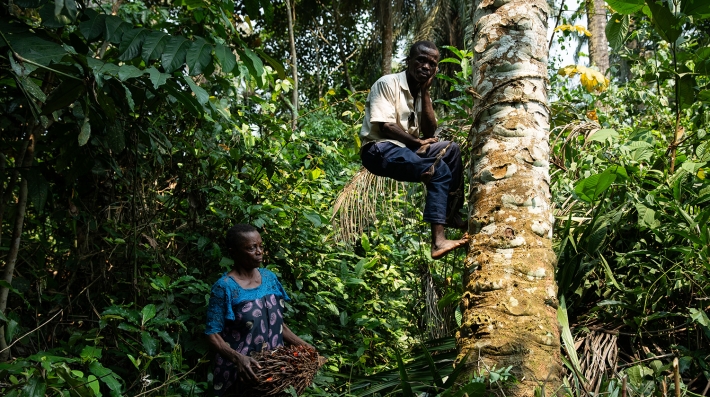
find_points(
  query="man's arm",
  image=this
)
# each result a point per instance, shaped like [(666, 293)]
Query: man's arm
[(394, 131), (428, 123)]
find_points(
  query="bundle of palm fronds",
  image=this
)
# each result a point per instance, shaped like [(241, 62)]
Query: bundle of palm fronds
[(284, 367)]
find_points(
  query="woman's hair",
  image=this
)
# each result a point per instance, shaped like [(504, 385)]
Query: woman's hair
[(236, 233)]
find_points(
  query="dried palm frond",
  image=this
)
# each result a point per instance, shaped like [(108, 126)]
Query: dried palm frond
[(360, 201), (284, 367), (598, 357)]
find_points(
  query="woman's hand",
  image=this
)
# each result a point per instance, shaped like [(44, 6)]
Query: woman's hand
[(245, 365)]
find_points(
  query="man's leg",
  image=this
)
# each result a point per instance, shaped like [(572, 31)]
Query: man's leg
[(452, 158), (403, 164)]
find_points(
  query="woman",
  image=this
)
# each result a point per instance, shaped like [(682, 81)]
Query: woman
[(245, 312)]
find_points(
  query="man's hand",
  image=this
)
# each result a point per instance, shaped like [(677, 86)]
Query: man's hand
[(244, 366), (428, 141), (430, 80)]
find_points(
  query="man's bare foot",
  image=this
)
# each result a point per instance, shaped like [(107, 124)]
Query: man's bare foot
[(442, 248)]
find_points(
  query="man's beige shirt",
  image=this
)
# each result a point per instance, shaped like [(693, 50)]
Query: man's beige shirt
[(389, 101)]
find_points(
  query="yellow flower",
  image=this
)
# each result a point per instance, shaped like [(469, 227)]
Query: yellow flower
[(592, 80), (576, 28)]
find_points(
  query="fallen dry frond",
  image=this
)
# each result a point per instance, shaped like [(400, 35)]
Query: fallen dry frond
[(284, 367)]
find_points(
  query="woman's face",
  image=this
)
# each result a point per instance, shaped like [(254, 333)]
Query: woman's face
[(248, 253)]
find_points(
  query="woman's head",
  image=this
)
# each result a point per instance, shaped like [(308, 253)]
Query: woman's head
[(244, 246)]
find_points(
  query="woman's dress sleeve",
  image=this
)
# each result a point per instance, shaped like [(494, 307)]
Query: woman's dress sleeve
[(219, 308)]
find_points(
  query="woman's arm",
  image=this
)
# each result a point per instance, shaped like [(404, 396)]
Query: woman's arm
[(242, 362), (293, 339)]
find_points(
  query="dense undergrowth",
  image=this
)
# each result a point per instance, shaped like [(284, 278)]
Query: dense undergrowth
[(138, 138)]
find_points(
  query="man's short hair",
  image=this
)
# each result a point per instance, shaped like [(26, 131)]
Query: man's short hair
[(416, 48), (235, 234)]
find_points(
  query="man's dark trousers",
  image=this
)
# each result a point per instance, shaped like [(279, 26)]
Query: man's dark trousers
[(404, 164)]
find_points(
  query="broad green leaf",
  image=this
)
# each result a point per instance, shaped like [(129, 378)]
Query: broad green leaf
[(115, 27), (277, 65), (126, 72), (365, 242), (89, 353), (69, 376), (202, 96), (616, 30), (637, 374), (93, 384), (35, 387), (150, 344), (41, 51), (225, 57), (58, 7), (106, 375), (667, 25), (94, 27), (70, 7), (253, 63), (154, 45), (85, 132), (166, 337), (604, 134), (314, 218), (626, 6), (62, 96), (156, 77), (174, 54), (37, 188), (33, 89), (148, 313), (686, 90), (589, 189), (199, 56), (696, 8), (646, 217), (52, 20), (450, 60), (131, 43)]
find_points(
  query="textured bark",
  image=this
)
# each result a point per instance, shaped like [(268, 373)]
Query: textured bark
[(15, 243), (387, 36), (598, 48), (294, 63), (510, 297)]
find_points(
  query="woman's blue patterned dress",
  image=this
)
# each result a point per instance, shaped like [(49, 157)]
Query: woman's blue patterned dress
[(249, 320)]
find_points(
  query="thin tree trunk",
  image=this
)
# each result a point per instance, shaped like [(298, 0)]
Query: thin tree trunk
[(15, 242), (598, 47), (510, 297), (387, 36), (341, 49), (294, 63)]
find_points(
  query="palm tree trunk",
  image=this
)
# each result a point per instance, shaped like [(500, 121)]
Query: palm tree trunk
[(294, 63), (598, 48), (387, 36), (510, 297)]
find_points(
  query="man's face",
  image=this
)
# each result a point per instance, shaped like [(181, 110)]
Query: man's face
[(423, 64)]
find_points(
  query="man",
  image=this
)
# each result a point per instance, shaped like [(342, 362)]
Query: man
[(398, 142)]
